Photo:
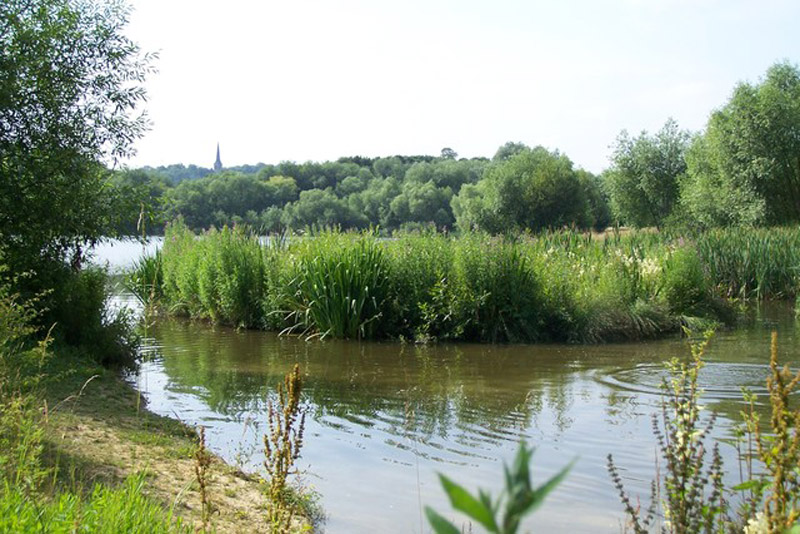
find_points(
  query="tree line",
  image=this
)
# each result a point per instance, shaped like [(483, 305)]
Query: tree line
[(743, 169)]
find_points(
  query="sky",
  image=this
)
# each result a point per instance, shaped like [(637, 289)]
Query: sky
[(316, 80)]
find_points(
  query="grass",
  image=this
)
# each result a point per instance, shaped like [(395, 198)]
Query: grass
[(557, 286)]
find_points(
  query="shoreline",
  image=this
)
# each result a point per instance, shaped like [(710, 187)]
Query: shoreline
[(98, 429)]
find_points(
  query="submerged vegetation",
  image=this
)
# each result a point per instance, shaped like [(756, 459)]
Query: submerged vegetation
[(560, 286)]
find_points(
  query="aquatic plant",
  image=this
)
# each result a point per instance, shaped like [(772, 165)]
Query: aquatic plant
[(340, 288), (146, 280), (753, 263), (558, 286)]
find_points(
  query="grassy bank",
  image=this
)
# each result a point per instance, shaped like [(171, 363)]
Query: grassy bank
[(79, 452), (99, 431), (562, 286)]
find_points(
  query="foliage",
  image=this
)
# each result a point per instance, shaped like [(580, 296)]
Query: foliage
[(29, 500), (779, 451), (503, 516), (69, 91), (76, 310), (692, 500), (202, 463), (340, 287), (220, 276), (282, 446), (146, 279), (559, 286), (104, 511), (643, 180), (757, 263), (744, 169), (534, 189), (497, 291)]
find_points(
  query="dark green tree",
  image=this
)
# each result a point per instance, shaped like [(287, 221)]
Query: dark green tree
[(70, 89), (597, 199)]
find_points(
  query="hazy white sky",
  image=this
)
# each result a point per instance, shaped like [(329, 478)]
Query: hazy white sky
[(319, 79)]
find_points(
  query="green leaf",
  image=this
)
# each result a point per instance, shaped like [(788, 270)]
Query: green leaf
[(461, 500), (440, 524), (542, 491), (750, 485)]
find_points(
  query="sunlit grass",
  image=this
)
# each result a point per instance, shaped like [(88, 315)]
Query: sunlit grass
[(557, 286)]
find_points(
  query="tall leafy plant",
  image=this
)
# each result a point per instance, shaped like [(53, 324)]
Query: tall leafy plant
[(503, 515)]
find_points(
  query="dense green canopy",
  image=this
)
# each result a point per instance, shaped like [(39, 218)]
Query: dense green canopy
[(70, 85)]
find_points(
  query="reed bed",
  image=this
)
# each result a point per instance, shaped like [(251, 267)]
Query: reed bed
[(556, 286)]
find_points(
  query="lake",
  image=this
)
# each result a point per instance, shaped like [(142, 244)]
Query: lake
[(385, 418)]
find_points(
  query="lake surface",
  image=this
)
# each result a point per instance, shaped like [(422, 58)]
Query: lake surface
[(384, 418)]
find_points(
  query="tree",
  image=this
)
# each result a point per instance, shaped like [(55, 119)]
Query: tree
[(643, 180), (70, 88), (449, 153), (534, 189), (599, 210), (508, 150), (745, 169)]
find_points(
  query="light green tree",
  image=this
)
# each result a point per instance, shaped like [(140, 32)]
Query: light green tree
[(533, 189), (70, 91), (745, 169), (642, 182)]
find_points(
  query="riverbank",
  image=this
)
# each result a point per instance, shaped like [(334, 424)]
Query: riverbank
[(98, 430)]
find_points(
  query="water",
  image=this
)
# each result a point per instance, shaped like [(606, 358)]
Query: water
[(384, 418), (119, 255)]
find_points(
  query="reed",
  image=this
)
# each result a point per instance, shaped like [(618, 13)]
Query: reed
[(146, 279), (340, 287), (753, 263), (556, 286)]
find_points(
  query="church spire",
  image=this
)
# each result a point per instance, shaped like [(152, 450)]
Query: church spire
[(218, 163)]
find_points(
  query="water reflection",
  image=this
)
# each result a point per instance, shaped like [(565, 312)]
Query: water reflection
[(385, 417)]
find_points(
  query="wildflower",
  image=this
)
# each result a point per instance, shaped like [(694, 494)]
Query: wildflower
[(650, 268), (757, 525)]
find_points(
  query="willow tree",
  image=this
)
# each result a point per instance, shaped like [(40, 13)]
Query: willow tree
[(643, 181), (745, 169), (70, 92)]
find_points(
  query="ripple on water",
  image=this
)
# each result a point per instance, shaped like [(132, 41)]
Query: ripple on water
[(718, 381)]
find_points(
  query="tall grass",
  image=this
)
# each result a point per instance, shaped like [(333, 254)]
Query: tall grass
[(754, 263), (559, 286), (218, 276), (340, 287), (146, 280)]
